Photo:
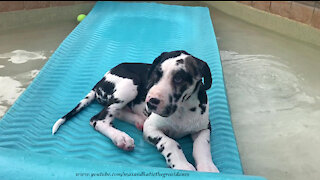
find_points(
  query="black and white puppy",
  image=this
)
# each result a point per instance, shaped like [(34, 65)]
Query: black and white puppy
[(166, 99)]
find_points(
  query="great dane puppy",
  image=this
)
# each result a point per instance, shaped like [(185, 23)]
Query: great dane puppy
[(167, 99)]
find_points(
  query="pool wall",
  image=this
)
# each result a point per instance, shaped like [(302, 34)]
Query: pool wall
[(289, 18), (306, 32), (19, 14)]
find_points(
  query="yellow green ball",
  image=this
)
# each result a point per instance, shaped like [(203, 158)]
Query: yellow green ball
[(81, 17)]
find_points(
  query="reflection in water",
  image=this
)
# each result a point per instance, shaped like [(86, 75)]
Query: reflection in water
[(275, 114), (266, 82)]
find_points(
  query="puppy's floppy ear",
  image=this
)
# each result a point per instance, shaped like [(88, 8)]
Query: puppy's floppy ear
[(205, 73), (155, 63)]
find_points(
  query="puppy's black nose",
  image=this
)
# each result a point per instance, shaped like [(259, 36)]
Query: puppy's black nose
[(154, 101)]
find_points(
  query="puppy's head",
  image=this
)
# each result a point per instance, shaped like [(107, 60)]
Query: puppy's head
[(172, 79)]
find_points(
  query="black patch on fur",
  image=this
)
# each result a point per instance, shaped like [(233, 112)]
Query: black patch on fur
[(197, 86), (169, 160), (154, 77), (193, 109), (161, 148), (184, 98), (180, 88), (110, 115), (203, 98), (154, 140), (180, 61), (86, 97), (168, 155), (170, 109), (208, 141), (202, 107), (185, 76), (176, 97), (170, 99), (104, 89), (179, 147), (71, 113), (94, 124), (111, 124), (188, 97), (101, 115), (146, 113), (135, 71), (172, 165), (183, 88), (209, 126), (192, 66)]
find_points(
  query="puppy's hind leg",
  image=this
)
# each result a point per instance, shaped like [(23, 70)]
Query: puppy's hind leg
[(102, 122), (124, 92)]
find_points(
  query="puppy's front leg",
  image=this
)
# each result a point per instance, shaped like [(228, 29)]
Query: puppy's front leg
[(168, 147), (202, 152)]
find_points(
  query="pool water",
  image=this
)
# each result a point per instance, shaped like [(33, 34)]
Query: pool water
[(23, 52), (272, 85), (273, 88)]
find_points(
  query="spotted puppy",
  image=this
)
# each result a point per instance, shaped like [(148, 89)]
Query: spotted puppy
[(166, 99)]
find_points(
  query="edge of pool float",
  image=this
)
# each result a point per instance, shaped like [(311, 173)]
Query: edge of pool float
[(40, 166)]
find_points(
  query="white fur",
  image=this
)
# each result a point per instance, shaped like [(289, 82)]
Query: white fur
[(124, 87), (57, 125)]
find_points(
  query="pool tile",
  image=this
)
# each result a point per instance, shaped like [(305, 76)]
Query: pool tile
[(36, 4), (262, 5), (6, 6), (315, 22), (301, 12), (281, 8)]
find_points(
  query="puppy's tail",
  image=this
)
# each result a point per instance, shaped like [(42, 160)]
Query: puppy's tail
[(83, 103)]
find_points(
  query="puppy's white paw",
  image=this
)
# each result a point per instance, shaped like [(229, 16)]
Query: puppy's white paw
[(123, 141), (183, 166), (207, 167)]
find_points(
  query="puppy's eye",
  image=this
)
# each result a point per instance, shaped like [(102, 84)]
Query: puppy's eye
[(177, 79)]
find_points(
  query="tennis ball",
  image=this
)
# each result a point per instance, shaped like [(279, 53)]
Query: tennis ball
[(81, 17)]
